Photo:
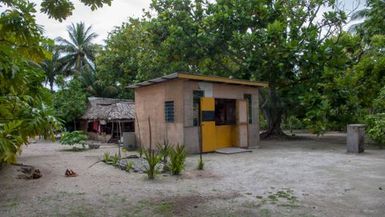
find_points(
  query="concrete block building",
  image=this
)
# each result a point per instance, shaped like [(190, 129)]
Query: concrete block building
[(200, 112)]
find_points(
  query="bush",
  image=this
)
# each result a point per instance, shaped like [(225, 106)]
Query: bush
[(376, 128), (115, 160), (129, 166), (177, 159), (153, 158), (73, 138), (106, 157), (164, 151)]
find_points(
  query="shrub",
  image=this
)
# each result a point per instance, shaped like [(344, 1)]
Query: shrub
[(376, 128), (106, 157), (153, 158), (73, 138), (129, 166), (177, 159), (164, 151), (115, 160)]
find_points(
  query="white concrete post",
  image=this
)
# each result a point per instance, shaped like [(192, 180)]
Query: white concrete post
[(355, 138)]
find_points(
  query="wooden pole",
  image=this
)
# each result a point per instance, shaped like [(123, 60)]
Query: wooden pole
[(139, 137), (149, 131), (200, 133)]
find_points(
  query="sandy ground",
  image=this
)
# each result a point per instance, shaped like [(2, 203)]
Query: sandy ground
[(304, 177)]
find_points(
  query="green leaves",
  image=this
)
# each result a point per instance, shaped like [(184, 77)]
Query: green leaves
[(73, 138), (177, 159), (61, 9), (376, 128), (57, 9)]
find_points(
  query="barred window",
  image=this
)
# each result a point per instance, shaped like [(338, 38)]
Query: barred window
[(169, 111)]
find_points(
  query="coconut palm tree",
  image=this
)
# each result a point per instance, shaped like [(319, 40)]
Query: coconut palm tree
[(79, 50), (52, 67), (95, 86)]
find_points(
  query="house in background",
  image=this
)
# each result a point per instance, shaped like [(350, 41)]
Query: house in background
[(107, 119), (195, 110)]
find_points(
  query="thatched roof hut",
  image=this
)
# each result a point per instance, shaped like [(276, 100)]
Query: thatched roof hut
[(109, 109)]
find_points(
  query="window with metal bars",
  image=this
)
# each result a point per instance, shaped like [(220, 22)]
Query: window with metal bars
[(169, 111)]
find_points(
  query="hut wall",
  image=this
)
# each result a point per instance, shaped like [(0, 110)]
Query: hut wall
[(150, 103)]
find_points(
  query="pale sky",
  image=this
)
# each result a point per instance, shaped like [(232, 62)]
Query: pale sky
[(103, 20)]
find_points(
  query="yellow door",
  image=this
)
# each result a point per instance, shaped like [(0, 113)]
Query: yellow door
[(208, 124)]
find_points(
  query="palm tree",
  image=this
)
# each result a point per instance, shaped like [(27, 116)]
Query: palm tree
[(96, 86), (79, 49), (52, 67)]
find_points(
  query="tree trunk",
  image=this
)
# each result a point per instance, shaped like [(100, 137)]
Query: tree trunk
[(51, 86), (273, 110)]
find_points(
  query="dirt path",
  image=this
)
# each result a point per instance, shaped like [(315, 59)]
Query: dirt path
[(307, 177)]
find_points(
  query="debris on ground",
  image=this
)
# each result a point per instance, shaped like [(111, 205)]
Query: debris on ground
[(70, 173), (29, 172)]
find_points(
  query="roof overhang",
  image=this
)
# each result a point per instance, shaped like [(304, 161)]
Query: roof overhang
[(206, 78)]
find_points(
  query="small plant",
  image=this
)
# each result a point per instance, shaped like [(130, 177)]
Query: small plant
[(129, 166), (115, 160), (177, 159), (153, 159), (73, 138), (201, 164), (106, 157), (164, 151)]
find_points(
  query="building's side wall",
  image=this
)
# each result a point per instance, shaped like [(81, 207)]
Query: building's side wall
[(149, 103), (216, 90)]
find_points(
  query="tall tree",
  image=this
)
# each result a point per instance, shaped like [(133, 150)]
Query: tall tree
[(79, 51), (272, 40), (25, 110), (52, 66)]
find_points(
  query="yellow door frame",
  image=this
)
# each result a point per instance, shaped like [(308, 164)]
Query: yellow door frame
[(208, 131)]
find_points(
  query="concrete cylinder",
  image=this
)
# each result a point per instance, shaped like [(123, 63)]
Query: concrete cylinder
[(355, 138)]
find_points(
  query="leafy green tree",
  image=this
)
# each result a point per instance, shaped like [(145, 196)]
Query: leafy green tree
[(24, 110), (275, 41), (95, 85), (79, 51), (129, 56), (70, 101)]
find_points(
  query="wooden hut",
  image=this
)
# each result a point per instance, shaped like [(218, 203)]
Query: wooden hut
[(106, 119)]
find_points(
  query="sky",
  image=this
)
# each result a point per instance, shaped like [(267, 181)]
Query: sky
[(103, 20)]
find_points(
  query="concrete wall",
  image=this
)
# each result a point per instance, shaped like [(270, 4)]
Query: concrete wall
[(149, 103)]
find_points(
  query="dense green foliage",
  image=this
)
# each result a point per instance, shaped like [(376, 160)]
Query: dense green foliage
[(73, 138), (376, 122), (275, 41), (70, 101), (25, 109)]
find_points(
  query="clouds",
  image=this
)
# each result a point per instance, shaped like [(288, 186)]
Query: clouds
[(102, 20)]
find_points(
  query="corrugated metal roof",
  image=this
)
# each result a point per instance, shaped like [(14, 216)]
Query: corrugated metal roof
[(207, 78)]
